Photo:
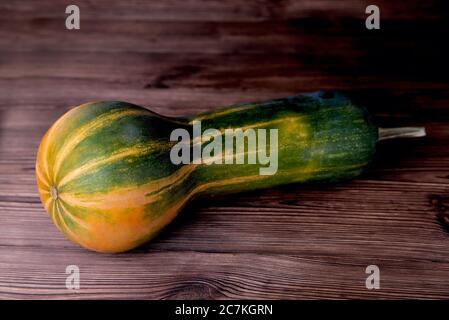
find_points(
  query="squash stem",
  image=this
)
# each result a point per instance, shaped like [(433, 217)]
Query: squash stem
[(404, 132)]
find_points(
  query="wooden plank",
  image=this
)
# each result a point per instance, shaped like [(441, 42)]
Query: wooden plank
[(160, 37), (363, 215), (220, 71), (216, 10), (59, 95), (40, 273)]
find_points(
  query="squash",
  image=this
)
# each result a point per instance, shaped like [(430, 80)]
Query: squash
[(106, 179)]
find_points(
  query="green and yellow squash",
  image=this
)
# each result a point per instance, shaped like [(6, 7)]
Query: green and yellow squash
[(105, 176)]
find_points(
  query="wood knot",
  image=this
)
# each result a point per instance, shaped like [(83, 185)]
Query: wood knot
[(441, 205)]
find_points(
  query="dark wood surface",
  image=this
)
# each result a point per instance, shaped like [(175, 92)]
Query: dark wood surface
[(180, 57)]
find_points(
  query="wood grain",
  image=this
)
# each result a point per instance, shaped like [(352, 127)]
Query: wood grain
[(183, 57)]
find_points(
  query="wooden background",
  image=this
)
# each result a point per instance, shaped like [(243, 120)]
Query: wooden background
[(180, 57)]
